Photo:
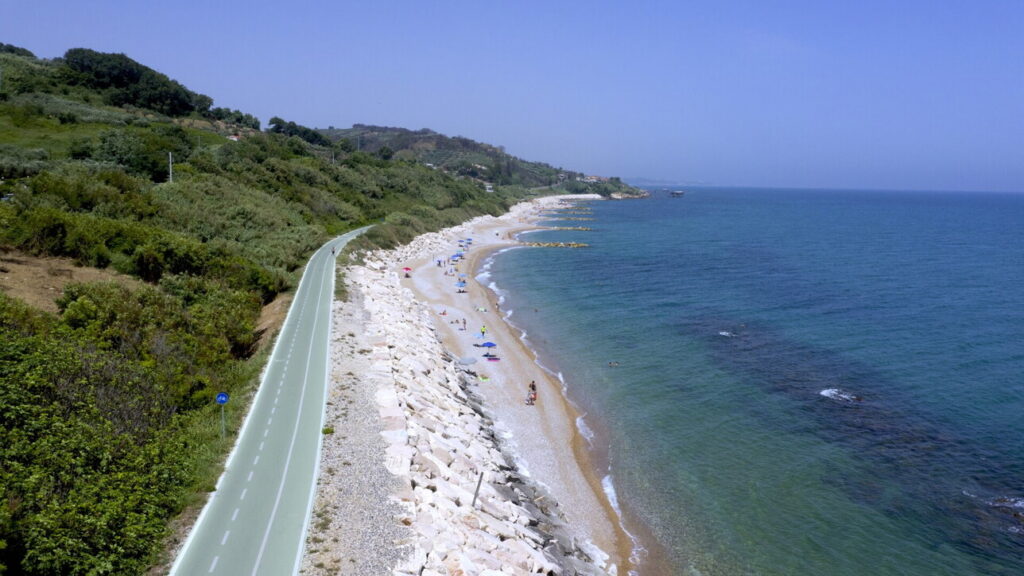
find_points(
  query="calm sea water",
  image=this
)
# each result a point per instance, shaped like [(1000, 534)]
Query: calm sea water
[(825, 382)]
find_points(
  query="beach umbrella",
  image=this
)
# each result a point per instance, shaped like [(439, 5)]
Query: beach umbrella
[(488, 344), (460, 284), (407, 269), (463, 275)]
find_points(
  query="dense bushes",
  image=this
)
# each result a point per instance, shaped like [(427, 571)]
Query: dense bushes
[(18, 162), (93, 434), (234, 117), (126, 82), (11, 49), (279, 126)]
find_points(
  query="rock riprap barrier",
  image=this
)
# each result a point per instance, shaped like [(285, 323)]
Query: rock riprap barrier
[(440, 441)]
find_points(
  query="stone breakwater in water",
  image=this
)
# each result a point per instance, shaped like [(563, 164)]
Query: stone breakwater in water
[(438, 441)]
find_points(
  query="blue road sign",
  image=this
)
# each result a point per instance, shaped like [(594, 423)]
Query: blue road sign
[(222, 398)]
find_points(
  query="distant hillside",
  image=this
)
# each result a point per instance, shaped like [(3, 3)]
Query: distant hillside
[(464, 157), (456, 155)]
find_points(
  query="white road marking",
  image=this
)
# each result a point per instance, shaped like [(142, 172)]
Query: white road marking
[(244, 490), (269, 420), (265, 432), (256, 461), (249, 479), (234, 515), (225, 538), (214, 563), (273, 409), (261, 446), (291, 447)]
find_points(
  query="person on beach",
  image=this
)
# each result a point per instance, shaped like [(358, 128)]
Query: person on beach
[(483, 331), (531, 394)]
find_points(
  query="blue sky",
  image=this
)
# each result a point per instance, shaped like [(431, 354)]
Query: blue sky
[(891, 95)]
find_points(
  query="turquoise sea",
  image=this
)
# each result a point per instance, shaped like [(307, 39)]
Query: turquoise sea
[(808, 382)]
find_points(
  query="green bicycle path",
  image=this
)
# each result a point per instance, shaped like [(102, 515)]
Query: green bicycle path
[(255, 522)]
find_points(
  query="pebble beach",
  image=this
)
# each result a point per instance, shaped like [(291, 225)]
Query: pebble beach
[(432, 460)]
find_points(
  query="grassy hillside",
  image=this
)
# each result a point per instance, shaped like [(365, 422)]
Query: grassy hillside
[(107, 425), (464, 157)]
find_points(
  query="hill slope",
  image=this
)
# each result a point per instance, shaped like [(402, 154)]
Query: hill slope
[(464, 157)]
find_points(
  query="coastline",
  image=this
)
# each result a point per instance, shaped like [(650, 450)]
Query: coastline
[(451, 419), (559, 457)]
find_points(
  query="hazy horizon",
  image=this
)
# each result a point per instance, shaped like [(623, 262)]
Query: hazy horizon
[(915, 95)]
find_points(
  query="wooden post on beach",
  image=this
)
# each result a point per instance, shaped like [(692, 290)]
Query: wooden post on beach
[(477, 491)]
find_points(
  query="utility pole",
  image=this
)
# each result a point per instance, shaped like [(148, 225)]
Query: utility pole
[(170, 167)]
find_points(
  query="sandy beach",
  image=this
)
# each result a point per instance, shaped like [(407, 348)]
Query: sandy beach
[(409, 342), (544, 435)]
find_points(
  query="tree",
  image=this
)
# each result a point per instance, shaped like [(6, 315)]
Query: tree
[(119, 146), (12, 49), (345, 145), (125, 81), (279, 126)]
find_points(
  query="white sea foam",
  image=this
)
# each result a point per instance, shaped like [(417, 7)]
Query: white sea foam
[(585, 431), (839, 395), (1013, 502), (637, 552), (609, 491), (726, 333)]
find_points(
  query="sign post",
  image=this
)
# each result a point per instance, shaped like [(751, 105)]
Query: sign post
[(222, 399)]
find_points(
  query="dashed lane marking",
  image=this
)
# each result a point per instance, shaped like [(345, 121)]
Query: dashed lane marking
[(225, 538), (214, 563)]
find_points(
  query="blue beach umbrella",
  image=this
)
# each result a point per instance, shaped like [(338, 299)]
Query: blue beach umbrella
[(463, 275), (460, 284), (488, 344)]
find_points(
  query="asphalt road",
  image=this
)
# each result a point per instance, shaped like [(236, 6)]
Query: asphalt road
[(255, 522)]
